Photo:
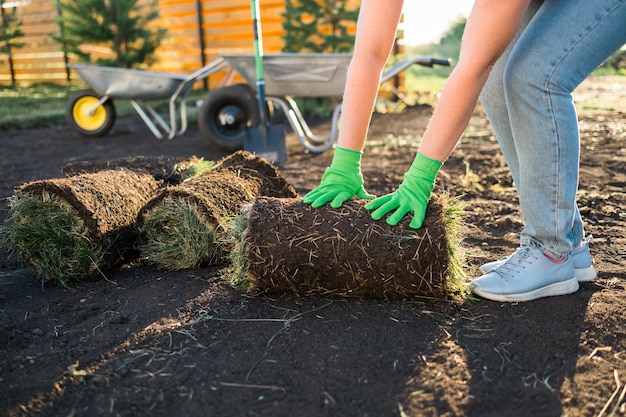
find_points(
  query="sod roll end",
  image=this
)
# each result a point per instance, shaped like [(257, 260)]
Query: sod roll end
[(284, 245), (80, 227), (186, 225)]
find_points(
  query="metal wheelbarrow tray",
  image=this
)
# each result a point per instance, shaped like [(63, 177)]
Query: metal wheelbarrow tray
[(295, 74), (128, 83)]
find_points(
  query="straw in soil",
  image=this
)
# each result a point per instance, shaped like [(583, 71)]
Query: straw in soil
[(283, 245)]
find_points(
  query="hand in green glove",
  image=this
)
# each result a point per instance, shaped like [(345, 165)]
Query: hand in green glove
[(411, 196), (340, 182)]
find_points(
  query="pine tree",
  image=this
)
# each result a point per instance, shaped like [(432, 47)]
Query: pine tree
[(10, 32), (334, 14), (298, 29), (318, 26), (119, 25)]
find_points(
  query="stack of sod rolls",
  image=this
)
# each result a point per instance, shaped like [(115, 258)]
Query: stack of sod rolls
[(283, 245), (186, 226), (78, 228)]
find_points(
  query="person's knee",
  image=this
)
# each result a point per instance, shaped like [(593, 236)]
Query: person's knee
[(520, 77)]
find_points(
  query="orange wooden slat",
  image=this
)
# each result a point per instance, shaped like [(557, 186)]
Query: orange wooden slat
[(227, 28)]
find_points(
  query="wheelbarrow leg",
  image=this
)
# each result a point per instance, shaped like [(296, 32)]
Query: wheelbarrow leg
[(157, 118), (148, 121), (307, 138)]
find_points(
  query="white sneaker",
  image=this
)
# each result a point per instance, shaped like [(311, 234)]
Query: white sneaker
[(583, 269), (526, 275)]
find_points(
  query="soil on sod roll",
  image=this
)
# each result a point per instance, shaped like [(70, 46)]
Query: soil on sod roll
[(247, 165), (172, 170), (101, 210), (186, 226), (290, 247)]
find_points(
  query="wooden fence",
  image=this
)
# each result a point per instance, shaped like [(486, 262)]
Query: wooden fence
[(41, 59), (198, 32)]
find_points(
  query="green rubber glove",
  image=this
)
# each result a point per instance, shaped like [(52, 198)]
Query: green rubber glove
[(341, 181), (411, 196)]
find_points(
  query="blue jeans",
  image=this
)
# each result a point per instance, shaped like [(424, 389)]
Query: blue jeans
[(528, 100)]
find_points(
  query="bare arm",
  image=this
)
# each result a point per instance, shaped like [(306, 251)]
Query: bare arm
[(490, 28), (376, 30)]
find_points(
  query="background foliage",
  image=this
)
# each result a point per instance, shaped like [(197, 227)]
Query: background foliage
[(10, 34), (121, 25), (312, 26)]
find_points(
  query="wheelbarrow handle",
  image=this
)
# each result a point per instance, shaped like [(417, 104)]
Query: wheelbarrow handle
[(441, 61), (426, 61)]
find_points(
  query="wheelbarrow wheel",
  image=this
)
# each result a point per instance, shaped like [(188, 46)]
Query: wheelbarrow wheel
[(225, 113), (86, 117)]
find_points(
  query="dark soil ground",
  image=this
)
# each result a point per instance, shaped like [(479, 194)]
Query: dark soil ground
[(148, 342)]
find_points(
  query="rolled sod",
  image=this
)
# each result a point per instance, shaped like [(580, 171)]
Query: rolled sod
[(186, 226), (78, 228), (171, 170), (285, 246)]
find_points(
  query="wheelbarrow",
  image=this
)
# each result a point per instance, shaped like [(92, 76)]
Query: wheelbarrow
[(226, 111), (91, 112)]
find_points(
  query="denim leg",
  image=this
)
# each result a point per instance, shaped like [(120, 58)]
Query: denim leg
[(494, 103), (563, 43)]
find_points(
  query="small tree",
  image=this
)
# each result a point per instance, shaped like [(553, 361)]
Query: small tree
[(10, 32), (318, 26), (119, 25)]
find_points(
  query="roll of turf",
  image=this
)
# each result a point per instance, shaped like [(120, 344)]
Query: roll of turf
[(78, 228), (186, 226), (285, 246)]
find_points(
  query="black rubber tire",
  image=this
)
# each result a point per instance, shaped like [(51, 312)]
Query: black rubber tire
[(225, 113), (96, 125)]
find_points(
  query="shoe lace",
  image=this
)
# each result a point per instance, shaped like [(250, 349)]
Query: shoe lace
[(517, 262)]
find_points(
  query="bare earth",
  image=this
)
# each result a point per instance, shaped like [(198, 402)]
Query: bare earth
[(148, 342)]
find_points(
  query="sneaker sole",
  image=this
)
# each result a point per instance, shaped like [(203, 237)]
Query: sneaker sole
[(559, 288), (585, 274)]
